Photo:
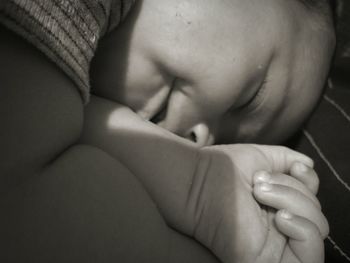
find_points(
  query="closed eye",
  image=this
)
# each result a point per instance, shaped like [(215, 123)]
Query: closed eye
[(256, 99), (160, 115), (162, 112)]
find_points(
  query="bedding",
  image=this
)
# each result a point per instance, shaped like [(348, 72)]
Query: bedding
[(326, 138)]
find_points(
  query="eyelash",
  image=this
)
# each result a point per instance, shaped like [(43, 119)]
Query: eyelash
[(161, 114), (256, 99)]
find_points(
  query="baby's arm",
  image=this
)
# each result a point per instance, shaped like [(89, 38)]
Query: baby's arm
[(199, 191), (63, 202), (163, 162)]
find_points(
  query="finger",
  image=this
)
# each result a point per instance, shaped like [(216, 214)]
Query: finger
[(306, 175), (286, 180), (282, 157), (284, 197), (305, 240)]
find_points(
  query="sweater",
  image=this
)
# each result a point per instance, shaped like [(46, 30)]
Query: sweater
[(67, 31)]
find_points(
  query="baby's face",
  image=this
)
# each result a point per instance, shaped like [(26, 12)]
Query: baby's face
[(218, 71)]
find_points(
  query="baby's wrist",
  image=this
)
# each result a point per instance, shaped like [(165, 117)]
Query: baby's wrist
[(212, 175)]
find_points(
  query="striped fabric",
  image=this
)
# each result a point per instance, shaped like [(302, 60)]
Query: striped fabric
[(326, 138), (67, 31)]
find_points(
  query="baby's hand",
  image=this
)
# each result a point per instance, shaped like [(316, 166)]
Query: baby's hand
[(305, 244), (233, 224), (301, 219)]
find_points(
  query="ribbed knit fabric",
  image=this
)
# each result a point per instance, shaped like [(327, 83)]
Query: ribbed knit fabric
[(67, 31)]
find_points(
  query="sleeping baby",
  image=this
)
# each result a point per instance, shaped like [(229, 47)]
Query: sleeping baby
[(177, 77), (227, 72)]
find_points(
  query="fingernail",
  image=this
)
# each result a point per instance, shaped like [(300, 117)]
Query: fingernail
[(265, 187), (262, 177), (286, 214), (302, 167)]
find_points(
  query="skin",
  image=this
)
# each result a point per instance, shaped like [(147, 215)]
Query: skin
[(209, 194), (174, 60), (60, 166), (227, 71), (62, 200)]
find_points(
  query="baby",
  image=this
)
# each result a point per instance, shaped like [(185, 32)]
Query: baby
[(215, 73), (210, 92)]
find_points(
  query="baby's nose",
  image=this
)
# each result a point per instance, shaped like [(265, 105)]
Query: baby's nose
[(201, 134)]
